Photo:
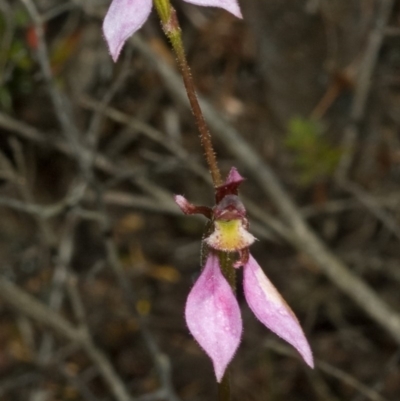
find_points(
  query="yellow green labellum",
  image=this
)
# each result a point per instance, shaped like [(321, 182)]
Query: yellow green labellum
[(229, 236)]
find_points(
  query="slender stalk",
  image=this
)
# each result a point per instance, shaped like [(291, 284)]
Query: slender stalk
[(172, 30), (224, 388), (226, 264)]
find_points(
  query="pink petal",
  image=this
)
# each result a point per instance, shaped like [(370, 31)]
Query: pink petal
[(124, 18), (233, 177), (213, 316), (229, 5), (272, 310)]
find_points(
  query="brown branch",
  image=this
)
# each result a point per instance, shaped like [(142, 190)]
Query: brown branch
[(363, 86), (332, 371), (24, 303)]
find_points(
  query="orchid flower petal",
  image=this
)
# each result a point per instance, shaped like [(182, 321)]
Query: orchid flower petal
[(123, 18), (272, 310), (229, 5), (213, 316)]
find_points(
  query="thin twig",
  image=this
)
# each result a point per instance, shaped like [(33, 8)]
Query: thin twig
[(61, 108), (331, 370), (150, 132), (28, 305), (363, 85), (161, 361), (372, 205)]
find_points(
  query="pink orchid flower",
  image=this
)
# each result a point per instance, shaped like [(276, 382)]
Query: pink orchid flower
[(125, 17), (212, 312)]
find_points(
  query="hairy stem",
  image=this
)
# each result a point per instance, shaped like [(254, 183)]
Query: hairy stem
[(172, 30)]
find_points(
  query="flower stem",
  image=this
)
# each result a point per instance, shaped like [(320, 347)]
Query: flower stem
[(229, 272), (172, 30), (224, 388)]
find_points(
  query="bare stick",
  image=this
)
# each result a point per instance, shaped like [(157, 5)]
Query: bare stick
[(29, 306), (70, 131), (372, 205), (363, 86), (161, 361), (331, 370)]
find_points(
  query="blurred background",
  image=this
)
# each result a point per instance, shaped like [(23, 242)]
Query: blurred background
[(302, 96)]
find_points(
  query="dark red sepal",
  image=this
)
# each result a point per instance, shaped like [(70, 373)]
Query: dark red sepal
[(230, 186), (189, 208)]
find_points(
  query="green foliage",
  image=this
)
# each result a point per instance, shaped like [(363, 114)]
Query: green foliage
[(314, 157), (21, 17), (16, 64)]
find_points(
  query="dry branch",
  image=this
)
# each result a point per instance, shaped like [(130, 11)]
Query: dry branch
[(24, 303)]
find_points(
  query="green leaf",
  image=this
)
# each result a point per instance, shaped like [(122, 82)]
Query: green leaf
[(314, 157)]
